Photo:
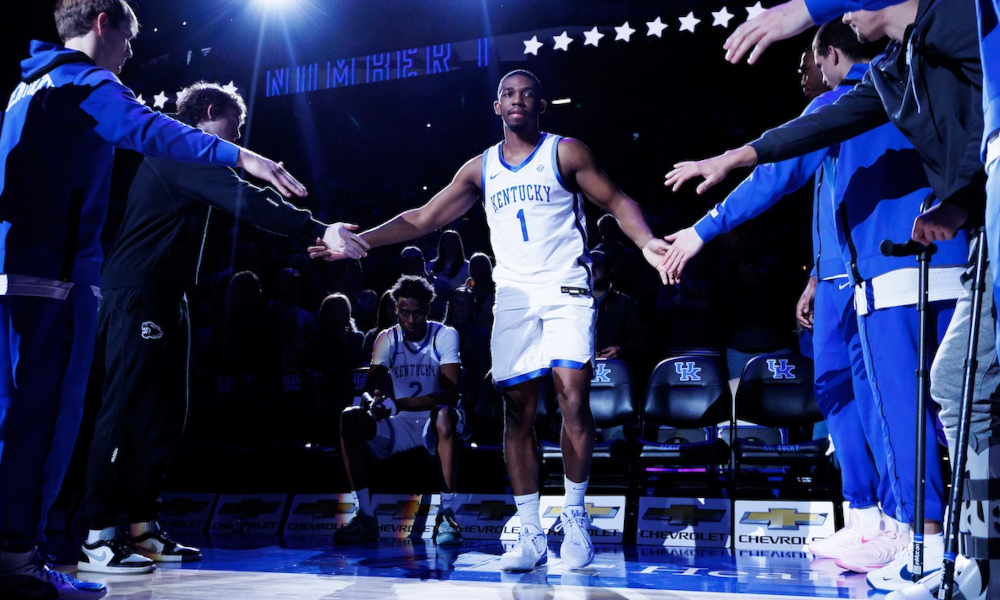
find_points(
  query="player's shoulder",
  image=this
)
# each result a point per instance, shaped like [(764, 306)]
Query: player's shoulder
[(446, 332), (573, 152)]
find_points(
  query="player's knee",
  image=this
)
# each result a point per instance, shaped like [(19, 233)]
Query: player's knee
[(445, 421), (352, 419)]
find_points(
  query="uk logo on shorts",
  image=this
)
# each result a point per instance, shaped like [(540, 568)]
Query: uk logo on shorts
[(781, 369), (151, 331), (687, 371)]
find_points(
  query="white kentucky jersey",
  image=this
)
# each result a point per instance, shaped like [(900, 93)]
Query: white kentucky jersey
[(537, 229), (415, 367)]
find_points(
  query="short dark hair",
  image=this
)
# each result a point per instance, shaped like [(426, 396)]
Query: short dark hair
[(194, 107), (75, 18), (838, 34), (522, 73), (417, 288)]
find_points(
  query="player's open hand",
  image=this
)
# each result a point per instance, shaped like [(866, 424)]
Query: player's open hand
[(271, 172), (684, 245), (712, 170), (778, 23), (654, 251), (338, 242), (939, 223)]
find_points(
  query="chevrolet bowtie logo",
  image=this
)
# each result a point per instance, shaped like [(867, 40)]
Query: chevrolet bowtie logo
[(489, 510), (595, 512), (406, 509), (683, 515), (178, 507), (325, 509), (783, 518), (250, 508)]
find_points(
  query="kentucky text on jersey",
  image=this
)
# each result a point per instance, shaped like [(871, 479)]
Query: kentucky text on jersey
[(520, 193), (414, 371)]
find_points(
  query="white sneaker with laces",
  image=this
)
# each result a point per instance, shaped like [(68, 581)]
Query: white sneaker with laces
[(530, 551), (968, 584), (844, 541), (898, 574), (113, 556), (577, 550), (878, 551)]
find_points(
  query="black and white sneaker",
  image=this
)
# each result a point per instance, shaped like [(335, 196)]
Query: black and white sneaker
[(157, 545), (114, 556)]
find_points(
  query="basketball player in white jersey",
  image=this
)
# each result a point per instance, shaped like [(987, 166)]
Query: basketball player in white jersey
[(532, 186), (413, 382)]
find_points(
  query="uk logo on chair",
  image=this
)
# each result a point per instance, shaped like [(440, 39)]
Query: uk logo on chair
[(780, 368), (687, 371)]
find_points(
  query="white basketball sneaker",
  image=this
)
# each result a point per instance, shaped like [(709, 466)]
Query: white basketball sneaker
[(898, 574), (530, 551), (846, 540), (876, 552), (577, 551), (968, 584)]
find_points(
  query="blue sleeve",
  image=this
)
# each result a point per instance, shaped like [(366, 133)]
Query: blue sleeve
[(766, 185), (121, 120), (822, 11)]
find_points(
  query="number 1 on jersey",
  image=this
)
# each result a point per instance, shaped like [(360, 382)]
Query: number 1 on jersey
[(524, 225)]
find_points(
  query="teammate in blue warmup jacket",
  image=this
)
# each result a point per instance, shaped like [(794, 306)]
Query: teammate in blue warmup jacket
[(869, 192), (60, 128)]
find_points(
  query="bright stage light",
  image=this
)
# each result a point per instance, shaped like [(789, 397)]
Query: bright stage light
[(275, 3), (561, 101)]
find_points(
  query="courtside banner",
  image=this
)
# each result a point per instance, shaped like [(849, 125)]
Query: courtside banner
[(607, 519), (686, 522), (781, 524), (319, 514), (188, 513), (249, 513), (484, 516), (406, 516)]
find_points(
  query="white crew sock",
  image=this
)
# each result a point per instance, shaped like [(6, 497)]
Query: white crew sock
[(448, 501), (107, 534), (868, 518), (137, 529), (527, 509), (575, 492), (12, 561), (364, 501)]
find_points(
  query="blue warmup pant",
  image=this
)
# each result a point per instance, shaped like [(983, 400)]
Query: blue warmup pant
[(889, 340), (46, 347), (993, 229), (845, 398)]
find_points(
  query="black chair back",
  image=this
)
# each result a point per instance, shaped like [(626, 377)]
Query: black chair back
[(776, 390), (611, 393), (688, 392)]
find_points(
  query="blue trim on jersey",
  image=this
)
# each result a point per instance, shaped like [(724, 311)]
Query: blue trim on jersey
[(524, 162), (506, 383), (392, 436), (568, 364), (485, 156), (555, 164), (586, 260)]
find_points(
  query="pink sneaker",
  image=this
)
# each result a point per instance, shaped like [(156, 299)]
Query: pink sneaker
[(845, 540), (878, 551)]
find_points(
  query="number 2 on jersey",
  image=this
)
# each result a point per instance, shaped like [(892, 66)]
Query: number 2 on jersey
[(419, 389), (524, 224)]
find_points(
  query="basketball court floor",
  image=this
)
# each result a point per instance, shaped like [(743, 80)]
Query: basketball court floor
[(259, 567)]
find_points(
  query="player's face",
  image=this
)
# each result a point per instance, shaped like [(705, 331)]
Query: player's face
[(412, 318), (519, 103), (118, 47), (812, 81), (869, 25)]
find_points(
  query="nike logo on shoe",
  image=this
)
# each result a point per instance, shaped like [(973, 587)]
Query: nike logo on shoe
[(102, 557)]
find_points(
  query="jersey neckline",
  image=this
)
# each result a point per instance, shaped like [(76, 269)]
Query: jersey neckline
[(524, 162)]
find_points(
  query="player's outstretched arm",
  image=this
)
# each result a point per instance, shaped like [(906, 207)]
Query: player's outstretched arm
[(684, 245), (712, 170), (446, 206), (271, 172), (577, 164)]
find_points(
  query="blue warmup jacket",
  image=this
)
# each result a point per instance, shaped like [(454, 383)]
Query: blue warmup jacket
[(57, 144), (875, 184), (987, 11)]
